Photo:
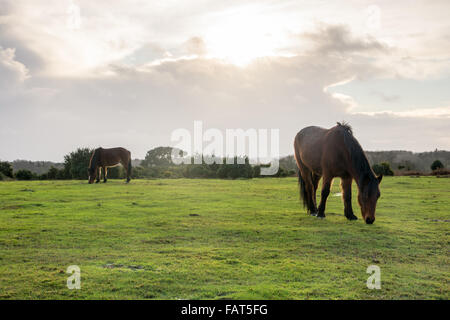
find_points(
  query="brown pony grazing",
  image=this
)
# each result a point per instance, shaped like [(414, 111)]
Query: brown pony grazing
[(105, 158), (330, 153)]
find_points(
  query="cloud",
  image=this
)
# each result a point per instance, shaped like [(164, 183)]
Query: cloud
[(195, 46), (68, 38), (12, 72), (430, 113), (139, 107), (339, 39)]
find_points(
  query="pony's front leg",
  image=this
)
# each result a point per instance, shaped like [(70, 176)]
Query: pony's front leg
[(326, 184), (99, 173), (105, 173), (346, 185)]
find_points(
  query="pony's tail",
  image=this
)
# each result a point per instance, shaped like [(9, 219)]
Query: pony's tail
[(302, 190)]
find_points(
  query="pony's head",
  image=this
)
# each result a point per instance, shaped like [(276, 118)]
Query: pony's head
[(368, 195), (92, 173)]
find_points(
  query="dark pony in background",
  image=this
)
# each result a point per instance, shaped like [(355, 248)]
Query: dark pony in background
[(328, 153), (105, 158)]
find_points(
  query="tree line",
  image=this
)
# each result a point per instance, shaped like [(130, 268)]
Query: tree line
[(158, 164)]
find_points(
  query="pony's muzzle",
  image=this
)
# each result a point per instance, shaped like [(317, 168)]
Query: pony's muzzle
[(370, 220)]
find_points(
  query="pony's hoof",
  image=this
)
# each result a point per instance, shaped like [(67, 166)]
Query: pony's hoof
[(314, 214), (352, 217), (97, 181), (321, 216)]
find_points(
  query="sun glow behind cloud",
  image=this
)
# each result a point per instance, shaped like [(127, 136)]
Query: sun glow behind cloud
[(243, 35)]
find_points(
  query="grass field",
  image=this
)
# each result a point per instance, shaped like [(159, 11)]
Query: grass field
[(220, 239)]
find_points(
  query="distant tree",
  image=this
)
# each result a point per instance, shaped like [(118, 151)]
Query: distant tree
[(138, 172), (160, 156), (6, 169), (43, 176), (24, 175), (288, 163), (282, 172), (222, 172), (63, 174), (256, 171), (383, 168), (437, 165), (76, 164), (52, 173), (235, 170)]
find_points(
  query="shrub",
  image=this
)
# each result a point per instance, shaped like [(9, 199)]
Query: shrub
[(43, 176), (24, 175), (160, 156), (440, 172), (63, 174), (383, 168), (137, 172), (52, 173), (256, 171), (222, 173), (76, 164), (282, 172), (436, 165), (6, 169), (199, 171)]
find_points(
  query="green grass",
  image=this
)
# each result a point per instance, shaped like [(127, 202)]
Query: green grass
[(220, 239)]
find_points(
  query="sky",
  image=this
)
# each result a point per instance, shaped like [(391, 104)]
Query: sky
[(79, 73)]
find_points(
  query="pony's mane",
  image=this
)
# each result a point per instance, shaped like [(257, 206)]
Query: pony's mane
[(346, 126), (357, 155)]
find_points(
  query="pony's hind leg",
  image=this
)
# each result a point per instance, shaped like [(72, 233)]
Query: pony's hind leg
[(315, 181), (307, 190), (105, 173), (128, 169), (305, 182), (99, 173), (127, 166), (346, 185), (326, 185)]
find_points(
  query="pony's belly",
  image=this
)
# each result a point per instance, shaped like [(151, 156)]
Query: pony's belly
[(111, 162), (113, 165)]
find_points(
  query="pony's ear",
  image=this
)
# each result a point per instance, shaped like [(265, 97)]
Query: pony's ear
[(379, 178)]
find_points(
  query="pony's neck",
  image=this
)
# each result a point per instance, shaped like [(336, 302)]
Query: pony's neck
[(362, 172), (95, 159), (361, 167)]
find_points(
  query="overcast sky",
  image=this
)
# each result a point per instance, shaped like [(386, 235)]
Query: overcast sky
[(127, 73)]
